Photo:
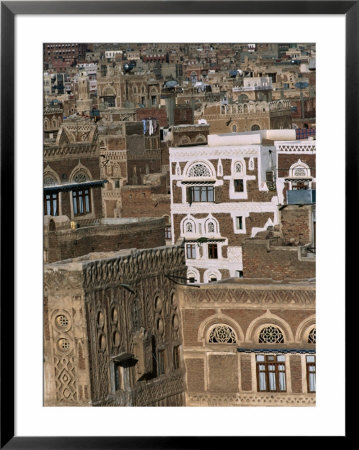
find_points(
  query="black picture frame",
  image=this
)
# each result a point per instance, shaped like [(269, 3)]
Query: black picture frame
[(8, 12)]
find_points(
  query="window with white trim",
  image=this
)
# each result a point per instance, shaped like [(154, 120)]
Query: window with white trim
[(239, 223), (191, 251)]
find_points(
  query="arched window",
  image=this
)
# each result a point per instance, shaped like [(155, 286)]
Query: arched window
[(222, 334), (234, 128), (189, 227), (312, 336), (271, 335), (80, 177), (81, 197), (49, 180), (299, 169), (255, 127), (199, 170), (210, 227), (238, 168), (299, 172)]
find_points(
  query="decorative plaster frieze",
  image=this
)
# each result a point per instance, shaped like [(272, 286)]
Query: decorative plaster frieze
[(185, 154), (250, 399), (243, 208), (272, 296)]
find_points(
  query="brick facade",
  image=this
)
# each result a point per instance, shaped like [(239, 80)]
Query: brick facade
[(61, 242), (113, 334), (224, 373)]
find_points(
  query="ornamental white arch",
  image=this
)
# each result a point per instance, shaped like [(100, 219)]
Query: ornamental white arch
[(268, 320), (238, 168), (192, 272), (211, 226), (188, 226), (299, 170), (211, 273), (215, 320), (199, 169)]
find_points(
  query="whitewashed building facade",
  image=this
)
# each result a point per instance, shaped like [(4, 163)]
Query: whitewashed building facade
[(220, 196)]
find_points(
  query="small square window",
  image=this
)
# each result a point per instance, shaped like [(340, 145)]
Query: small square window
[(238, 185)]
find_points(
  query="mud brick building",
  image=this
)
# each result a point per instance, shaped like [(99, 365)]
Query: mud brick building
[(72, 179), (53, 116), (63, 241), (61, 56), (131, 161), (296, 170), (112, 330), (220, 196), (249, 343), (249, 116), (116, 89)]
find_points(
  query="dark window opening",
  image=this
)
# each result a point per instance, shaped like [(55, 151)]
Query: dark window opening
[(110, 101), (212, 251), (191, 280), (176, 357), (160, 362), (239, 223), (238, 186)]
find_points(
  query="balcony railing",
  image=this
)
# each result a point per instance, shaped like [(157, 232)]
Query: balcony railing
[(301, 197)]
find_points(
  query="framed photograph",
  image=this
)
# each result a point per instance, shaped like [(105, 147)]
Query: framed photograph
[(151, 142)]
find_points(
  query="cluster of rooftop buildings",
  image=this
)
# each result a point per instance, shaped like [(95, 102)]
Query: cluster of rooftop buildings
[(179, 228)]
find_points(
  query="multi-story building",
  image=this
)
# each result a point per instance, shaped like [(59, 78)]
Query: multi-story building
[(118, 90), (72, 179), (112, 329), (250, 116), (296, 170), (53, 116), (249, 343), (63, 55), (222, 193)]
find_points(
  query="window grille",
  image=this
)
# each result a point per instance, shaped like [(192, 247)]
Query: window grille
[(271, 335), (222, 334)]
